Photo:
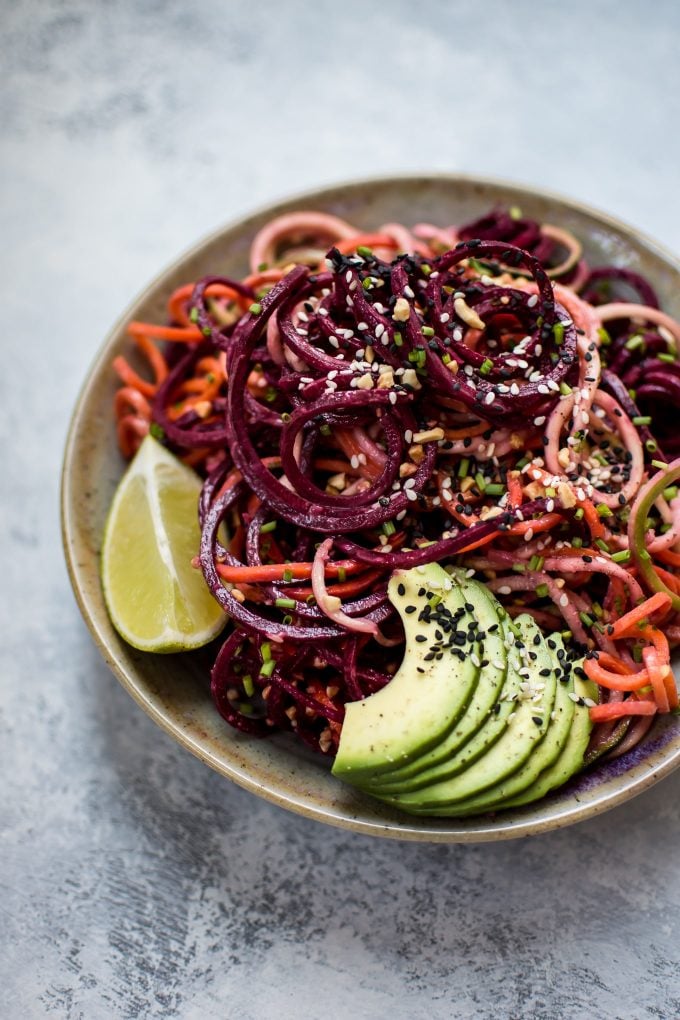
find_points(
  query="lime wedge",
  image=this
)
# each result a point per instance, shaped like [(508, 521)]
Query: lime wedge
[(156, 600)]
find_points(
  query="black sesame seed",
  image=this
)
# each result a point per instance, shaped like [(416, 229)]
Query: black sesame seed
[(401, 589)]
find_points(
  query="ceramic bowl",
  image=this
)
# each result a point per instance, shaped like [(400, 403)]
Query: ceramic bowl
[(174, 690)]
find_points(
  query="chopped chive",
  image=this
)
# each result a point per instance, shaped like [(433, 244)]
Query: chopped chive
[(542, 590), (519, 568), (266, 651), (601, 544), (269, 526), (446, 359), (605, 339), (248, 685), (550, 491), (670, 493), (207, 331), (288, 575), (398, 341), (157, 431), (434, 601), (651, 446), (262, 266), (389, 528), (287, 619), (577, 542), (427, 331), (565, 389), (634, 342), (325, 430), (193, 315), (642, 419), (598, 610), (364, 251), (367, 283), (660, 464), (637, 653), (285, 603), (495, 489), (464, 467), (270, 394), (255, 308), (486, 366), (268, 667), (578, 514), (285, 417), (566, 635), (342, 575), (479, 481), (667, 357), (586, 620), (558, 333), (622, 556), (603, 510), (632, 394), (426, 269)]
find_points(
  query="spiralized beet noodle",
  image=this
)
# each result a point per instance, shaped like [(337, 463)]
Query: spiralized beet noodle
[(473, 395)]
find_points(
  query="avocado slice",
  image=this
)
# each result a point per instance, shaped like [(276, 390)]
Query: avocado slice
[(426, 696), (526, 726), (545, 752), (498, 679), (572, 756)]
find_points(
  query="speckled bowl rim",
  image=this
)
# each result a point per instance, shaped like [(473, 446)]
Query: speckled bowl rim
[(660, 758)]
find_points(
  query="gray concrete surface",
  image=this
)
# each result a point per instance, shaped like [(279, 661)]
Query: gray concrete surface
[(135, 882)]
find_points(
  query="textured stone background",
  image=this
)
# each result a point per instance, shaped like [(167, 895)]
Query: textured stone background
[(136, 883)]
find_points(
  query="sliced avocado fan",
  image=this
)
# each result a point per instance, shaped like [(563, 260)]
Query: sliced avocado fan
[(483, 714)]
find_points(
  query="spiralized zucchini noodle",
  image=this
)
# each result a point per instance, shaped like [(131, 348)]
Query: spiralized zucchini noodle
[(473, 395)]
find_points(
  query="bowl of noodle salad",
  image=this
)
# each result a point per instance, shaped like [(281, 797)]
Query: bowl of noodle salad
[(378, 376)]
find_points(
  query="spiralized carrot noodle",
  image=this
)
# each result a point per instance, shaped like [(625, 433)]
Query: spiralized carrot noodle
[(371, 398)]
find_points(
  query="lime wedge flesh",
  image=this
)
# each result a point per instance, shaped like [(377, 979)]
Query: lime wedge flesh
[(156, 600)]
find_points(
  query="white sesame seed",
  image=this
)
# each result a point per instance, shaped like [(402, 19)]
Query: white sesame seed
[(533, 301), (409, 483), (490, 397), (564, 600), (505, 590), (411, 494)]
